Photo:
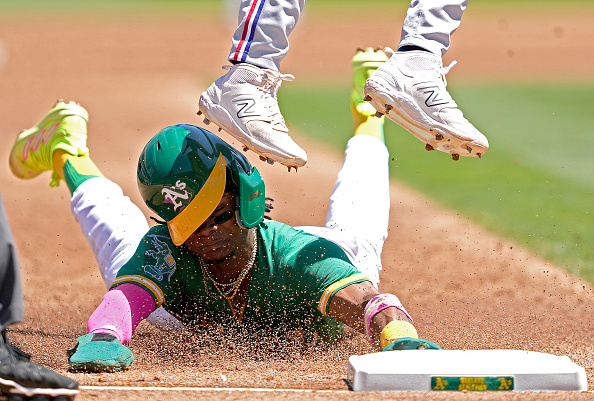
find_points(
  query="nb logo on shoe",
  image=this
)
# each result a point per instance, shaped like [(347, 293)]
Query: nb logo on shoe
[(246, 107), (432, 96)]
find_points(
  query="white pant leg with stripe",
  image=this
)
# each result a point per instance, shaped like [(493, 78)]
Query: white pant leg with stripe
[(262, 37), (113, 227), (357, 218)]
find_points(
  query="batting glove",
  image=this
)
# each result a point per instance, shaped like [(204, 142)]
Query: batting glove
[(410, 343), (99, 352)]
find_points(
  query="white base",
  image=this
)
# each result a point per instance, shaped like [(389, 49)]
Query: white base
[(458, 370)]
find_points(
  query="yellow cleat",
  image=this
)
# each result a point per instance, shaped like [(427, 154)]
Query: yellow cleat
[(364, 64), (64, 127)]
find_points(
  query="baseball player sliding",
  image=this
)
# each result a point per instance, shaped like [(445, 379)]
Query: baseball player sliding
[(215, 259), (410, 88)]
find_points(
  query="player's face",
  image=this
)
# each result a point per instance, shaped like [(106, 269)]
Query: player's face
[(219, 236)]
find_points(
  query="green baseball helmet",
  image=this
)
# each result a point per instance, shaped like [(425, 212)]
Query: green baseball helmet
[(183, 172)]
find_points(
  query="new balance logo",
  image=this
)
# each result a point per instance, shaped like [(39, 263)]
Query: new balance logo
[(246, 107), (432, 96)]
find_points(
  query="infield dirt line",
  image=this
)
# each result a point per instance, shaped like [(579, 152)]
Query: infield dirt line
[(247, 389)]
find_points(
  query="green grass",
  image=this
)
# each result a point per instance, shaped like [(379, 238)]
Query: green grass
[(533, 187)]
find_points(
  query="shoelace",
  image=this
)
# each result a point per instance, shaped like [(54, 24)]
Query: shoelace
[(445, 70), (55, 182), (442, 72), (270, 87)]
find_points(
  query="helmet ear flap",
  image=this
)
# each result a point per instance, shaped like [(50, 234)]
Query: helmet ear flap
[(251, 199)]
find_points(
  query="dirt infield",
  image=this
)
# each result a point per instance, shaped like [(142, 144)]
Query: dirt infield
[(466, 288)]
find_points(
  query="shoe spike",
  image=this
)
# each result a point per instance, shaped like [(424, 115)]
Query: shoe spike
[(245, 148), (388, 108), (367, 98), (220, 129), (479, 155), (289, 168), (378, 114), (199, 113), (439, 137), (270, 161), (455, 156), (429, 148), (469, 149), (206, 121), (262, 158)]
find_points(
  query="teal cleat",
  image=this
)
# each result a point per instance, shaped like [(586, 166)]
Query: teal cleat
[(100, 352), (410, 343)]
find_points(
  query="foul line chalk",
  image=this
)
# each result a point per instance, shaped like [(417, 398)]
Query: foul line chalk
[(197, 389)]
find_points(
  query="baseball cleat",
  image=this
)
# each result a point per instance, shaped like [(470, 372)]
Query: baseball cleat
[(64, 127), (364, 63), (99, 352), (410, 343), (243, 102), (410, 89), (21, 379)]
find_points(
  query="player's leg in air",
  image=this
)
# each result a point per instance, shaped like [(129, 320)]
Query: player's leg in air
[(244, 102), (112, 224), (357, 218), (410, 88)]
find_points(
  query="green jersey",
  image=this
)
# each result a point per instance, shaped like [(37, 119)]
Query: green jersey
[(294, 277)]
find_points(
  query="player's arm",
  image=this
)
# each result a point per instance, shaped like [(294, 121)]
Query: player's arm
[(121, 310), (381, 317), (111, 325), (348, 296)]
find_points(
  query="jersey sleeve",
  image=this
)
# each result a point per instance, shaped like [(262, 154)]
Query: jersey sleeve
[(314, 267), (153, 266)]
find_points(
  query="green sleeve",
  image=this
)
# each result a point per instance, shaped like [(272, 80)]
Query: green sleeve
[(313, 267), (153, 266)]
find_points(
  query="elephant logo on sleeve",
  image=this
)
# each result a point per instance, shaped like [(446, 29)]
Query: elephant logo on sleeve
[(164, 262)]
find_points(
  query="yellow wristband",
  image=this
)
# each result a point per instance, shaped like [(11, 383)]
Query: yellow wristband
[(397, 329)]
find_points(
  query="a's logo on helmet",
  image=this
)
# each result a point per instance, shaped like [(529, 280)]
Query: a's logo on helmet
[(176, 195)]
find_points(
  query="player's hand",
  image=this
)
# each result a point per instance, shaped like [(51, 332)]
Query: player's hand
[(99, 352), (410, 343)]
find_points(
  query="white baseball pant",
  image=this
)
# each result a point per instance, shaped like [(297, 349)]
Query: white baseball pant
[(262, 37)]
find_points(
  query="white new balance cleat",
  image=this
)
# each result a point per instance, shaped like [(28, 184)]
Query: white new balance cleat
[(243, 102), (410, 89)]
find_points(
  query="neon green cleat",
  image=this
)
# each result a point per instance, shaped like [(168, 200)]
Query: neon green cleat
[(364, 64), (64, 127)]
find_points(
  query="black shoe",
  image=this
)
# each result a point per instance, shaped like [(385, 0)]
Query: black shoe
[(21, 379)]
